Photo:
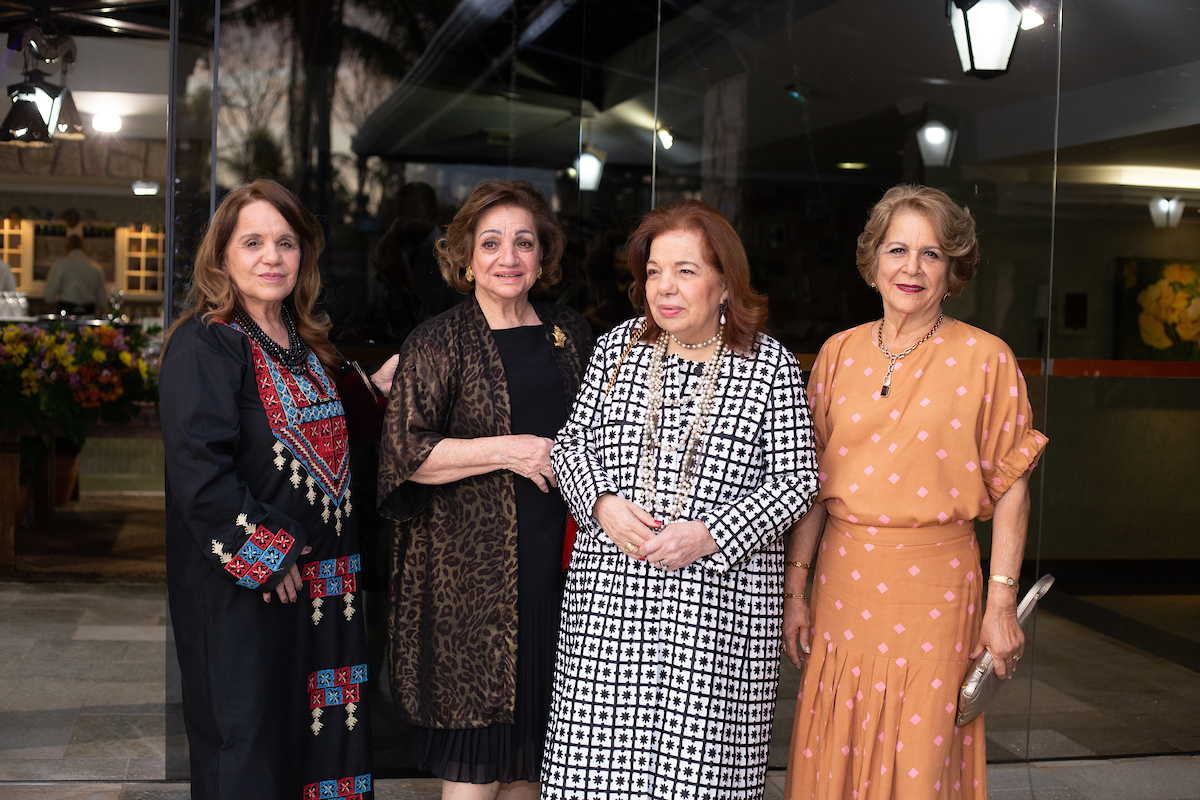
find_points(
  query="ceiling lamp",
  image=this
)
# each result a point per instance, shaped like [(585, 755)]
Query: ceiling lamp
[(1166, 213), (590, 167), (106, 123), (936, 142), (985, 32), (24, 126), (68, 125)]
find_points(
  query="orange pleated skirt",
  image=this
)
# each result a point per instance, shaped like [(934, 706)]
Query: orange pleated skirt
[(896, 613)]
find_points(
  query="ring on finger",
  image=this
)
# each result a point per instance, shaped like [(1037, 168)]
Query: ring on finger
[(630, 547), (662, 564)]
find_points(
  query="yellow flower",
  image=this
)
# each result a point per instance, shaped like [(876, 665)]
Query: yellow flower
[(1153, 332), (1179, 273), (98, 356), (143, 369), (1189, 328), (126, 358)]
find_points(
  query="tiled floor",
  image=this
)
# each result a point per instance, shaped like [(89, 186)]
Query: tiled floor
[(84, 709)]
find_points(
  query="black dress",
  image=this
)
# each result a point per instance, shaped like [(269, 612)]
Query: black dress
[(256, 470), (502, 752)]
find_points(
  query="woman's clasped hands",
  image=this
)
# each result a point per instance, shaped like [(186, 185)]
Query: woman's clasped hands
[(637, 534)]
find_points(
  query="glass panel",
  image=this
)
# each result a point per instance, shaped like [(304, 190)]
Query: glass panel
[(794, 118), (14, 261), (150, 263), (150, 283), (14, 240), (1123, 322), (133, 282), (135, 243)]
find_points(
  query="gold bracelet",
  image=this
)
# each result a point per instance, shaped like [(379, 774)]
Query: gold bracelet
[(1004, 579), (789, 595), (799, 564)]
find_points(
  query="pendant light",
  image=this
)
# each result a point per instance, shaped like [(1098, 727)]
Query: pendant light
[(24, 126), (985, 32)]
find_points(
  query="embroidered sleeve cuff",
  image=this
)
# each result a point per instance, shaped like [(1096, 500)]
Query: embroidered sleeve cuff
[(263, 560)]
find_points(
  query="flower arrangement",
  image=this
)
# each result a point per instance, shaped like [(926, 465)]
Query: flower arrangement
[(1170, 305), (56, 379)]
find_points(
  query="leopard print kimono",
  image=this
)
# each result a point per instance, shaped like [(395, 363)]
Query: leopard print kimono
[(452, 596)]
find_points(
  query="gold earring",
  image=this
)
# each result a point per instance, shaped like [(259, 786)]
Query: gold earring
[(469, 275), (946, 296), (873, 287), (539, 275)]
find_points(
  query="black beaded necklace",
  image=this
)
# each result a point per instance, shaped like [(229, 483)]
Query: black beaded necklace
[(294, 358)]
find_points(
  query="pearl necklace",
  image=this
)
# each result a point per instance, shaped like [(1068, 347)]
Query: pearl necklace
[(699, 345), (650, 498), (892, 358)]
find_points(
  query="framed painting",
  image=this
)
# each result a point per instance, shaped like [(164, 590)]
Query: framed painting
[(1158, 310)]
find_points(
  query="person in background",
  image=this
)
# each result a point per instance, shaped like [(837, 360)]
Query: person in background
[(923, 426), (76, 283), (8, 281), (263, 562), (464, 469)]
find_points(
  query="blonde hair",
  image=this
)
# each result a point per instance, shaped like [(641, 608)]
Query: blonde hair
[(954, 226), (213, 294)]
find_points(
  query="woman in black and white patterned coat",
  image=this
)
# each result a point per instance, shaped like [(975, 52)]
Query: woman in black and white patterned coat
[(687, 455)]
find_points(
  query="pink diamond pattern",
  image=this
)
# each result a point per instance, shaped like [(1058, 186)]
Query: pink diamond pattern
[(954, 492), (895, 414), (869, 469), (842, 551), (842, 451), (866, 614), (935, 613), (950, 362), (841, 399), (848, 361), (936, 683), (948, 595), (856, 576), (971, 341), (856, 417), (850, 635), (837, 604), (954, 562), (914, 570), (912, 773), (923, 435), (922, 492), (920, 372), (885, 519), (899, 627), (883, 648), (882, 587), (955, 424), (938, 740), (853, 488), (943, 516), (972, 466), (961, 390), (925, 402), (915, 719), (875, 438), (892, 448), (927, 647), (868, 371), (879, 687), (893, 477)]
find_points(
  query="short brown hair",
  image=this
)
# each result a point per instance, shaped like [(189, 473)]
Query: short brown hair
[(454, 250), (953, 224), (213, 294), (747, 312)]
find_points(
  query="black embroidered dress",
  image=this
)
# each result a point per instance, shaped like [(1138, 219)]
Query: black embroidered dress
[(257, 469)]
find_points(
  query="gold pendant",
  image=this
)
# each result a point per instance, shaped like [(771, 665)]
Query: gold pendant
[(560, 338)]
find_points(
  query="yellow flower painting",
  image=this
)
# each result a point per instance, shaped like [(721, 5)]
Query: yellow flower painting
[(1164, 298)]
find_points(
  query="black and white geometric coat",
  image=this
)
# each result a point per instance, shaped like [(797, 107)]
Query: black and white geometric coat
[(665, 681)]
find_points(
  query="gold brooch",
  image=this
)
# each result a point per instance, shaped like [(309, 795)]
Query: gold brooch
[(560, 338)]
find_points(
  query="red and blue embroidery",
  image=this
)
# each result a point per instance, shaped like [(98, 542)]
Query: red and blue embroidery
[(259, 557), (352, 788), (330, 578), (335, 687), (307, 418)]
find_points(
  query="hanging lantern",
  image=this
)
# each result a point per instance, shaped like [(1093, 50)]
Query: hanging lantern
[(24, 126), (985, 32)]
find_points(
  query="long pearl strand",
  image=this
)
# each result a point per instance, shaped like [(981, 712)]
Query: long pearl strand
[(650, 439)]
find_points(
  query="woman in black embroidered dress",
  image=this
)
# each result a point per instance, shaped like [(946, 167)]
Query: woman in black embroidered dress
[(464, 469), (259, 507)]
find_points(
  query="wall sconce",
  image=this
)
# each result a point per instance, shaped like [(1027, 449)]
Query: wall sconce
[(985, 32), (590, 166), (936, 142), (145, 188), (1166, 213), (666, 138)]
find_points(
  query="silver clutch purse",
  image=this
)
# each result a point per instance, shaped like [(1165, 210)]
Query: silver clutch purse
[(982, 684)]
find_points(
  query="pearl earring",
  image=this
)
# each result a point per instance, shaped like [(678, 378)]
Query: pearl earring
[(724, 306)]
